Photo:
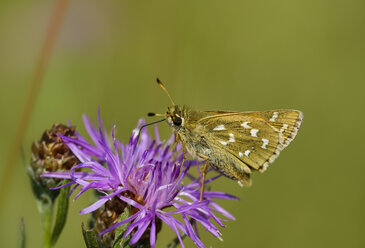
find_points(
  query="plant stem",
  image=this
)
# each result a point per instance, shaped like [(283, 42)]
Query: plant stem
[(43, 60), (22, 234), (175, 242), (45, 207)]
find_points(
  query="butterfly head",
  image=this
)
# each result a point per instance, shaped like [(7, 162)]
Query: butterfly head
[(175, 117)]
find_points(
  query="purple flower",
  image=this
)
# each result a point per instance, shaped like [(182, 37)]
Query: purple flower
[(146, 175)]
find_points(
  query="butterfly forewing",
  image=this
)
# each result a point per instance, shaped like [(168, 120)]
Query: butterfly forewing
[(287, 122), (254, 138)]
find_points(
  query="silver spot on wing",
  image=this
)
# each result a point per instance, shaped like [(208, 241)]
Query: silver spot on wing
[(245, 124), (254, 132), (219, 128), (231, 138), (266, 142), (223, 142), (274, 116)]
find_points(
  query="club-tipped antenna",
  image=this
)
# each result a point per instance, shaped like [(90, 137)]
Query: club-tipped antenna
[(146, 125), (164, 89), (154, 114)]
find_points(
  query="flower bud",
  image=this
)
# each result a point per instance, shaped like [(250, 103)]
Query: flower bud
[(50, 154), (110, 214)]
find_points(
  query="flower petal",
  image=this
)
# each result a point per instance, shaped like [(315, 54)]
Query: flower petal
[(94, 206), (120, 223)]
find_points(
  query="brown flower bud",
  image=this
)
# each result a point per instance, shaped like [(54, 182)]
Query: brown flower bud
[(109, 215), (51, 154)]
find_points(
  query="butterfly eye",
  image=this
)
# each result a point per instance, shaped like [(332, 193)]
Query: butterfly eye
[(177, 121)]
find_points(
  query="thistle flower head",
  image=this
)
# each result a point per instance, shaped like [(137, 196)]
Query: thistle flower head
[(51, 154), (145, 174)]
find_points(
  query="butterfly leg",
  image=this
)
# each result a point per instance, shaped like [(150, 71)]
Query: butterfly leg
[(203, 179), (183, 150), (182, 163), (175, 145), (174, 152), (203, 175)]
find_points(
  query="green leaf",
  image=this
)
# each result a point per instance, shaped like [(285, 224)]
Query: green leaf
[(22, 237), (61, 216), (91, 238), (37, 188), (119, 241)]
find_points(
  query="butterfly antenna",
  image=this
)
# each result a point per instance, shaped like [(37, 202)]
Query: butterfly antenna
[(154, 114), (164, 89), (146, 125)]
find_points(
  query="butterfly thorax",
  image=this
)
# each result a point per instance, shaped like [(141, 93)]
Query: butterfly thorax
[(184, 121), (183, 117)]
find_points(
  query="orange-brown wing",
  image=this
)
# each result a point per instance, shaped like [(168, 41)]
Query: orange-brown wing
[(255, 138)]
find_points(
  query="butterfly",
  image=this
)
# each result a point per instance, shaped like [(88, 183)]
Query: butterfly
[(233, 143)]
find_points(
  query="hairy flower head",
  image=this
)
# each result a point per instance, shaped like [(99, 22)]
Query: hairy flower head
[(145, 174)]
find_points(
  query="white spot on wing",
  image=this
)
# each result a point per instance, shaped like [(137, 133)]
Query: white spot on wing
[(231, 138), (254, 132), (266, 142), (285, 126), (223, 142), (247, 152), (245, 124), (240, 154), (274, 116), (219, 127)]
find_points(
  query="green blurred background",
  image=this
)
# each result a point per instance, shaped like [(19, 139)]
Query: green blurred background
[(212, 55)]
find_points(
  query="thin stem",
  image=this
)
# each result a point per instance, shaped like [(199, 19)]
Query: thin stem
[(22, 234), (45, 207), (175, 242), (42, 63)]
